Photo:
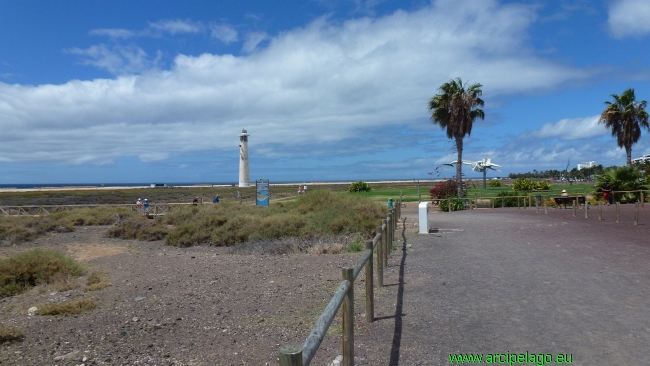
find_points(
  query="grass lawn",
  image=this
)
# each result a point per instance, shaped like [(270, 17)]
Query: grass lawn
[(410, 193)]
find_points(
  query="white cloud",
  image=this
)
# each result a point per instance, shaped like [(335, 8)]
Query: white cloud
[(629, 18), (572, 129), (253, 39), (307, 89), (113, 33), (116, 59), (176, 26), (224, 33)]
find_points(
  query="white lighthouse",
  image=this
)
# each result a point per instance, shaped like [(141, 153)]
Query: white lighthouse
[(244, 175)]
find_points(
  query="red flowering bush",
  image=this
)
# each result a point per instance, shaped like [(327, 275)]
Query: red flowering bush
[(444, 189)]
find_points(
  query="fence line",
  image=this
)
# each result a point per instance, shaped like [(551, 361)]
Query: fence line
[(344, 297), (154, 208), (576, 201)]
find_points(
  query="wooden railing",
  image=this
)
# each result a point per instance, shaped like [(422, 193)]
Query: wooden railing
[(154, 208), (344, 296), (541, 201)]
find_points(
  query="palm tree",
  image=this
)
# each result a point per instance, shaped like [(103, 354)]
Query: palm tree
[(455, 108), (625, 117)]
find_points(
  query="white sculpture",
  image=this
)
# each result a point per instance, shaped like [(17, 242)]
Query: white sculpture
[(479, 166)]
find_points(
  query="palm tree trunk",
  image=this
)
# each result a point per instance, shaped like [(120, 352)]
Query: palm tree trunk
[(459, 166), (628, 152)]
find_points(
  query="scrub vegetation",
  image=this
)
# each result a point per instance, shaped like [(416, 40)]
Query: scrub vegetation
[(35, 267), (318, 213)]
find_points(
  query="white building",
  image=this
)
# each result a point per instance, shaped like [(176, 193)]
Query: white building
[(589, 164)]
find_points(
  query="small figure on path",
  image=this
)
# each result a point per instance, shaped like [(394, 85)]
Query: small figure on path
[(146, 205), (299, 190), (216, 198), (196, 201), (607, 192), (564, 194), (304, 189), (138, 205)]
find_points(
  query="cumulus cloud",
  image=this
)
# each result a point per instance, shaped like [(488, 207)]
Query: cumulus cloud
[(572, 129), (629, 18), (309, 87)]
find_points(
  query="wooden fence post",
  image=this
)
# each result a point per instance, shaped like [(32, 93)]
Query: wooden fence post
[(380, 257), (575, 203), (384, 242), (290, 356), (617, 213), (636, 213), (517, 202), (449, 204), (503, 201), (545, 205), (536, 206), (642, 200), (600, 211), (586, 208), (348, 319), (370, 297), (525, 204)]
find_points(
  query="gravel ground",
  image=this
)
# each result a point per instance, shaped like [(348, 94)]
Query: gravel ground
[(171, 306), (486, 281)]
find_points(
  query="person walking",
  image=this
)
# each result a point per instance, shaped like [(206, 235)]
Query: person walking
[(138, 205), (146, 206), (216, 198), (607, 192)]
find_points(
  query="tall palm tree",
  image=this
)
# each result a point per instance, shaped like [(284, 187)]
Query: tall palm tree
[(455, 108), (625, 117)]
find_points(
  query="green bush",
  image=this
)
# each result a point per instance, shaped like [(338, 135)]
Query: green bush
[(356, 246), (359, 186), (523, 184), (456, 205), (34, 267), (542, 185), (507, 199), (494, 183), (622, 179)]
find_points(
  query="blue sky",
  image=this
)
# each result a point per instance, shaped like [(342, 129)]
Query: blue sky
[(157, 91)]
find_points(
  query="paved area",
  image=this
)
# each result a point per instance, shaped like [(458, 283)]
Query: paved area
[(515, 281)]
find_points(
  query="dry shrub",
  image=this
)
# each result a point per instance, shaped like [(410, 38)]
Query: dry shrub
[(35, 267), (138, 227), (62, 282), (10, 334), (26, 228), (96, 281), (75, 306)]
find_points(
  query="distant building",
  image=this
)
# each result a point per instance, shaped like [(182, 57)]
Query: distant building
[(589, 164), (641, 159)]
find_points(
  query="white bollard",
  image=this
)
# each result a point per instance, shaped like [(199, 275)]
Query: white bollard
[(423, 211)]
